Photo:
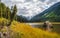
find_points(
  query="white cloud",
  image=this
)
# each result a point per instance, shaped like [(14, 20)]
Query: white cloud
[(30, 7), (18, 0)]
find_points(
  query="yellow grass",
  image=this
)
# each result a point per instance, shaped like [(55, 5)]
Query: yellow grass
[(22, 30), (26, 31)]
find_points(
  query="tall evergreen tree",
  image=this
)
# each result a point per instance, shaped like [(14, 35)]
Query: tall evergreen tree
[(14, 11), (8, 13), (2, 9)]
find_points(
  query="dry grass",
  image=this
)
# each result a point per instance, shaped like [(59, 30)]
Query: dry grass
[(22, 30), (26, 31)]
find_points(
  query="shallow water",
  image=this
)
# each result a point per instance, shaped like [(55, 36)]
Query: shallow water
[(56, 28), (39, 25)]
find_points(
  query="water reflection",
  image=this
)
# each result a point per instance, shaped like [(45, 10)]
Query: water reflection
[(39, 25)]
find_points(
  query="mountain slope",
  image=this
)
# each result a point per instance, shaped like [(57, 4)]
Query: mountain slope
[(52, 12)]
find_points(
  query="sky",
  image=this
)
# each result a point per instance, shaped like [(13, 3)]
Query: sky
[(30, 8)]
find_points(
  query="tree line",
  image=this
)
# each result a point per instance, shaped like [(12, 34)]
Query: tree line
[(6, 12)]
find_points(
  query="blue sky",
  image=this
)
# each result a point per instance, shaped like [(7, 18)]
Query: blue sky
[(30, 8)]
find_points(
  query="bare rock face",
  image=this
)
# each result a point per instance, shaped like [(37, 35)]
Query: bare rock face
[(47, 26)]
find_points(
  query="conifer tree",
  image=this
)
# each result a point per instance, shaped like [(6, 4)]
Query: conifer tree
[(13, 14)]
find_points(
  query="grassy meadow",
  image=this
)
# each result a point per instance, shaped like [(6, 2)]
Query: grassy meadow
[(22, 30)]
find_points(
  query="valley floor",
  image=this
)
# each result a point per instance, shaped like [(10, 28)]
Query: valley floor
[(23, 30)]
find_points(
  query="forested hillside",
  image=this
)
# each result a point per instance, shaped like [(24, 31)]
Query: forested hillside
[(51, 14)]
